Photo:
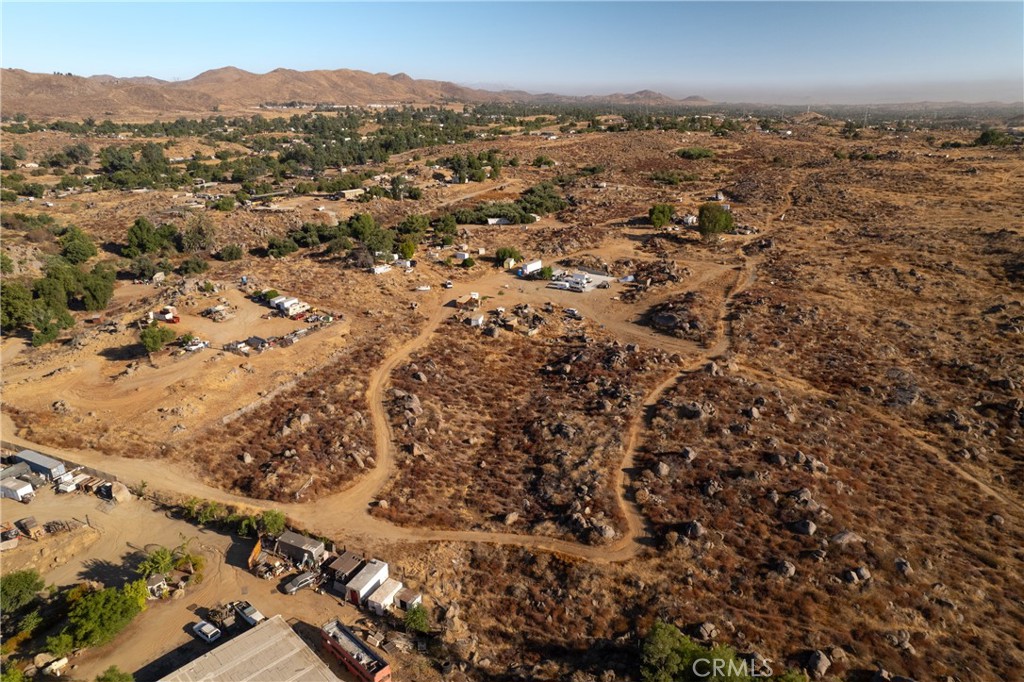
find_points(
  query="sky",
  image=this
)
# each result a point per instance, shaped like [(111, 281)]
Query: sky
[(779, 52)]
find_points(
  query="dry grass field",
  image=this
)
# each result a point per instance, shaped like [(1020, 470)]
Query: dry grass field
[(829, 459)]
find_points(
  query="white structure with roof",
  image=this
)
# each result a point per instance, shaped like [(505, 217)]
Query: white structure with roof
[(384, 596), (269, 651), (368, 579)]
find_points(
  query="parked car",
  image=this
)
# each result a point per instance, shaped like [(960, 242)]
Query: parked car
[(207, 632), (248, 613), (299, 582)]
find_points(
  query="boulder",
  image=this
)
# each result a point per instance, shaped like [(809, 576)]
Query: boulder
[(804, 527), (818, 664), (663, 470), (511, 518), (420, 377), (904, 567), (785, 568), (688, 455), (693, 529), (846, 537)]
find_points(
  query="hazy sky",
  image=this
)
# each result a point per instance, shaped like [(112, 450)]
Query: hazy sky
[(733, 51)]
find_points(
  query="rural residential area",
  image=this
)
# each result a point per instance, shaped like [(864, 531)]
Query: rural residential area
[(323, 373)]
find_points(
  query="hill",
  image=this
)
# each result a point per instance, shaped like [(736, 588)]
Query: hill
[(231, 88)]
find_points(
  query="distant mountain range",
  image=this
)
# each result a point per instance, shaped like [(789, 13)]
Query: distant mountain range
[(55, 96)]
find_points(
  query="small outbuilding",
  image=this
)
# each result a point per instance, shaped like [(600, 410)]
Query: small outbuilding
[(15, 470), (17, 490), (301, 550), (41, 464), (408, 598), (383, 598)]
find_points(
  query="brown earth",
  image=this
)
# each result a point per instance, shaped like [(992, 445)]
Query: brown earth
[(872, 324)]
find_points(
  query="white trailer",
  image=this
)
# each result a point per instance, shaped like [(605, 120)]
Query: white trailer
[(530, 268), (296, 308)]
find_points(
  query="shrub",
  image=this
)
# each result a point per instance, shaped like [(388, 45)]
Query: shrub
[(661, 214), (193, 266), (279, 247), (713, 220), (694, 153), (230, 252), (154, 337)]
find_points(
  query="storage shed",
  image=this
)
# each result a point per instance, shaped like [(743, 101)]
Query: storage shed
[(19, 491), (383, 598), (41, 464), (408, 598), (300, 549), (15, 470), (368, 579)]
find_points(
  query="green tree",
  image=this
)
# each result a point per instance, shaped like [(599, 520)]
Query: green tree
[(407, 249), (416, 619), (15, 307), (75, 246), (468, 263), (230, 252), (272, 522), (157, 562), (664, 654), (98, 287), (413, 224), (61, 644), (506, 252), (19, 589), (98, 617), (142, 267), (546, 272), (6, 264), (661, 214), (198, 235), (142, 238), (115, 674), (713, 220), (154, 337)]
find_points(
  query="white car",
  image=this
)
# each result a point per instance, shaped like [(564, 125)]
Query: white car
[(206, 631), (248, 613)]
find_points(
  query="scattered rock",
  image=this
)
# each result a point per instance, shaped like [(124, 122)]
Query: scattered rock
[(663, 470), (688, 455), (304, 419), (420, 377), (706, 631), (904, 567), (511, 518), (246, 458)]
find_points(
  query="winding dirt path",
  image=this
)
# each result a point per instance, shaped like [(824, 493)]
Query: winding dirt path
[(346, 513)]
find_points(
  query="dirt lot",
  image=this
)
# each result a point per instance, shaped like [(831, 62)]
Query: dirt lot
[(160, 639)]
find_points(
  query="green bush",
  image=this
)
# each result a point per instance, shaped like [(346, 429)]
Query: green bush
[(230, 252), (279, 247), (694, 153), (193, 266), (154, 337), (713, 220), (661, 214)]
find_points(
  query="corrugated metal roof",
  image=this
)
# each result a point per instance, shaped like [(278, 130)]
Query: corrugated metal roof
[(269, 652)]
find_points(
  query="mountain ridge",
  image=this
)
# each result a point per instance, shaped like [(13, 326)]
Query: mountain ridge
[(59, 95)]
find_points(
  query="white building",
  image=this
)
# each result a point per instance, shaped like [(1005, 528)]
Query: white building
[(368, 579), (383, 598), (16, 490)]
